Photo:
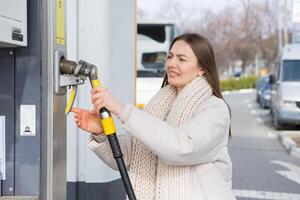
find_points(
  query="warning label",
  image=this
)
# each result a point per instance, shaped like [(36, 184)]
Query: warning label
[(27, 120), (27, 131)]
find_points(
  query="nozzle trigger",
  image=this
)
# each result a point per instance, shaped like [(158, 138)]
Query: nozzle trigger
[(71, 99)]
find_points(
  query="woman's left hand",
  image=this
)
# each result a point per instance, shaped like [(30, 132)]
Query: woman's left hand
[(101, 97)]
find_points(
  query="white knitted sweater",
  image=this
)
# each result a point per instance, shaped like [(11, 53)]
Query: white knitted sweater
[(151, 177), (177, 150)]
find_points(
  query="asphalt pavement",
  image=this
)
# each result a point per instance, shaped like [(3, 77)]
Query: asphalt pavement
[(262, 169)]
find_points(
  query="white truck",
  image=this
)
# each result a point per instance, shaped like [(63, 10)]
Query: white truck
[(153, 42), (285, 100)]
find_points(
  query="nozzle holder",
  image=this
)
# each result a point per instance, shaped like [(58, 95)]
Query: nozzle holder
[(66, 73)]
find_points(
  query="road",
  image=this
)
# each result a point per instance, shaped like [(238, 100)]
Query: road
[(262, 169)]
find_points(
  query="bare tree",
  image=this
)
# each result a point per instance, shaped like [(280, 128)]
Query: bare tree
[(240, 33), (267, 39), (219, 29)]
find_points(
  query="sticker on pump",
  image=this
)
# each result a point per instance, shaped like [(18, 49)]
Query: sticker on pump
[(27, 120)]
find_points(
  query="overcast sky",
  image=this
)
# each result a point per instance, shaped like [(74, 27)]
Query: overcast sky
[(151, 7)]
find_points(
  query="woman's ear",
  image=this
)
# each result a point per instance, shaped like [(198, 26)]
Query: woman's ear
[(200, 73)]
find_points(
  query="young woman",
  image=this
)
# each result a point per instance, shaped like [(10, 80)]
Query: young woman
[(176, 147)]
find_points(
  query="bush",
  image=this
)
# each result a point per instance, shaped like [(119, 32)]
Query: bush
[(237, 84)]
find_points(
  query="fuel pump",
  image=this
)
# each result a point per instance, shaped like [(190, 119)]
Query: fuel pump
[(75, 74)]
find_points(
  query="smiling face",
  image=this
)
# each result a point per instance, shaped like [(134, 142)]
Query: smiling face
[(182, 65)]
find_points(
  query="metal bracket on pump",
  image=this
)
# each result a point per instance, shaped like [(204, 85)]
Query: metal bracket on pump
[(62, 80)]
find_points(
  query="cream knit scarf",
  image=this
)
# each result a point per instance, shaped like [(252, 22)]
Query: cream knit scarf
[(151, 177)]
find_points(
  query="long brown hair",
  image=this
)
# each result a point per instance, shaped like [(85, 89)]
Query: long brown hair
[(204, 52)]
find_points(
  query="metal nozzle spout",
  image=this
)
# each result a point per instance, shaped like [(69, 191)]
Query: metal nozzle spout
[(81, 68), (67, 66)]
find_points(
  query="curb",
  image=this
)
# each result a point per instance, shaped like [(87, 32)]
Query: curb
[(289, 145)]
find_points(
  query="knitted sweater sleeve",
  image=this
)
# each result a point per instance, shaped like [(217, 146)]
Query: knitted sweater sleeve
[(101, 147), (199, 140)]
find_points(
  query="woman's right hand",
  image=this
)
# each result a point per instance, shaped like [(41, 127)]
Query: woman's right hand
[(87, 120)]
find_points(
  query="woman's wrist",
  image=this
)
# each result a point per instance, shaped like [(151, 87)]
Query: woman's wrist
[(126, 111), (99, 131)]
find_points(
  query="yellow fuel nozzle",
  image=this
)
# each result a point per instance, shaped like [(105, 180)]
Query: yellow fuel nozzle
[(73, 74), (71, 99), (70, 78), (85, 69), (95, 83)]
